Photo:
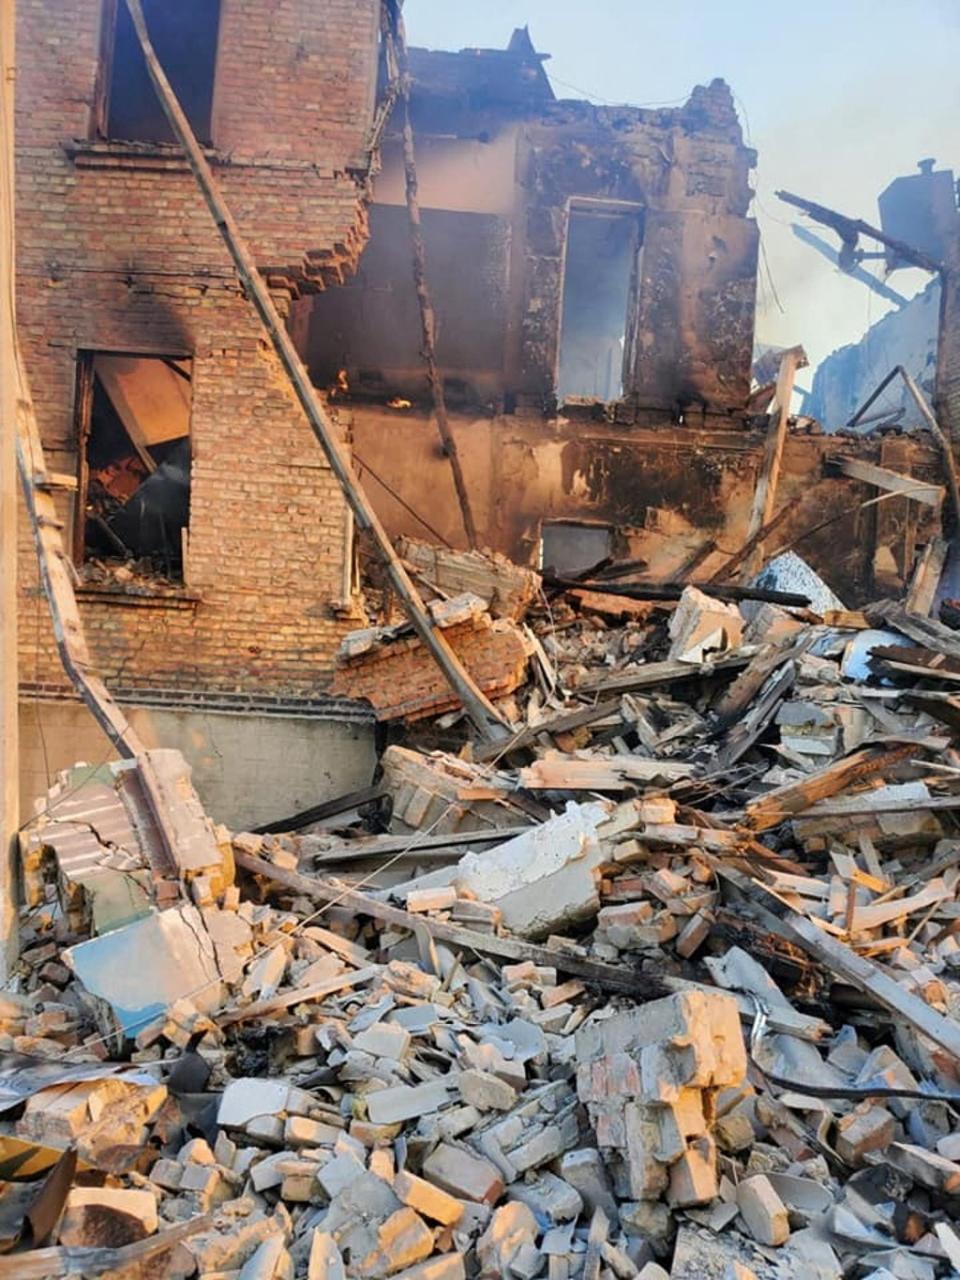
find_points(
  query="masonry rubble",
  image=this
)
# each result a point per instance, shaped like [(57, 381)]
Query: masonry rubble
[(663, 984)]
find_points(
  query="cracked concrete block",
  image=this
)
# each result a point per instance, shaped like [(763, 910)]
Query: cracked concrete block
[(403, 1240), (105, 1215), (762, 1210), (585, 1171), (511, 1226), (485, 1091), (867, 1128), (693, 1178), (431, 1201), (543, 879), (325, 1261), (404, 1102), (466, 1176)]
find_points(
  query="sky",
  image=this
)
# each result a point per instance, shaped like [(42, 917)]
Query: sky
[(838, 97)]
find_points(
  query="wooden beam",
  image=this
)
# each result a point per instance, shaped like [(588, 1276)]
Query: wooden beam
[(653, 674), (846, 965), (487, 721), (924, 631), (761, 535), (395, 36), (765, 494), (926, 578), (561, 723), (608, 976), (931, 495), (300, 995), (786, 802)]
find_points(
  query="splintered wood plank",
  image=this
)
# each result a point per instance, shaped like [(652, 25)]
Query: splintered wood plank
[(557, 772), (847, 966), (768, 479), (562, 723), (877, 914), (653, 674), (301, 995), (924, 631), (796, 797), (930, 495), (926, 578)]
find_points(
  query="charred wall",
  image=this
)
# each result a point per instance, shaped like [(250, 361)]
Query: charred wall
[(521, 175), (664, 490)]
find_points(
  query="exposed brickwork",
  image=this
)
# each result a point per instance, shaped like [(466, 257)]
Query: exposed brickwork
[(118, 252), (402, 681)]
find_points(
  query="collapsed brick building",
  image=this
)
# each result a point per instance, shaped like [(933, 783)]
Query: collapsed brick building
[(594, 273), (594, 276)]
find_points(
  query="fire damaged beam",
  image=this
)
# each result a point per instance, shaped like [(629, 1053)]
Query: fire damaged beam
[(481, 711), (397, 51), (949, 462), (849, 229)]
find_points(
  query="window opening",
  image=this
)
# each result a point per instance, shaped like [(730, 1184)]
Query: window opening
[(184, 34), (133, 419), (599, 275), (568, 547)]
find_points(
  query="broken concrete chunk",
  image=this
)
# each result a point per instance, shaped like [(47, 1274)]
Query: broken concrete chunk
[(143, 968), (511, 1226), (325, 1261), (431, 1201), (246, 1098), (466, 1176), (107, 1217), (386, 1106), (484, 1091), (867, 1128), (543, 879), (702, 625), (762, 1210)]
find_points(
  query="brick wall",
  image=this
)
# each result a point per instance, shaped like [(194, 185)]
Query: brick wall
[(118, 252)]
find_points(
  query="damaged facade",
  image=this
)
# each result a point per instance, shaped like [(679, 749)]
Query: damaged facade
[(656, 976), (593, 271), (213, 544)]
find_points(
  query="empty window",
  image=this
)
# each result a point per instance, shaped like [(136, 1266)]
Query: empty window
[(599, 284), (133, 421), (569, 547), (184, 34)]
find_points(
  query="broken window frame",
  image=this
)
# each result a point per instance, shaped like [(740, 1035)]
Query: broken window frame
[(598, 205), (100, 107), (82, 427)]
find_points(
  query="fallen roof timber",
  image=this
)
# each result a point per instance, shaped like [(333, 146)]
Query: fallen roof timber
[(609, 977)]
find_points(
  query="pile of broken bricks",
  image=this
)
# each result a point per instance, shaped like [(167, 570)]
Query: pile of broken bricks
[(665, 984)]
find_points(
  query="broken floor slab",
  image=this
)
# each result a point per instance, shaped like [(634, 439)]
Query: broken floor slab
[(544, 879)]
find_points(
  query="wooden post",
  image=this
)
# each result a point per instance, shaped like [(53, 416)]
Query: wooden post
[(9, 752), (765, 494), (428, 320), (485, 718)]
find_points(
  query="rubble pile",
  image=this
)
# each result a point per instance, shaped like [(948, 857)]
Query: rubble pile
[(664, 983)]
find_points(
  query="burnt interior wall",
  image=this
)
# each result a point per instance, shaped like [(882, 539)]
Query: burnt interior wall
[(665, 489), (684, 174)]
